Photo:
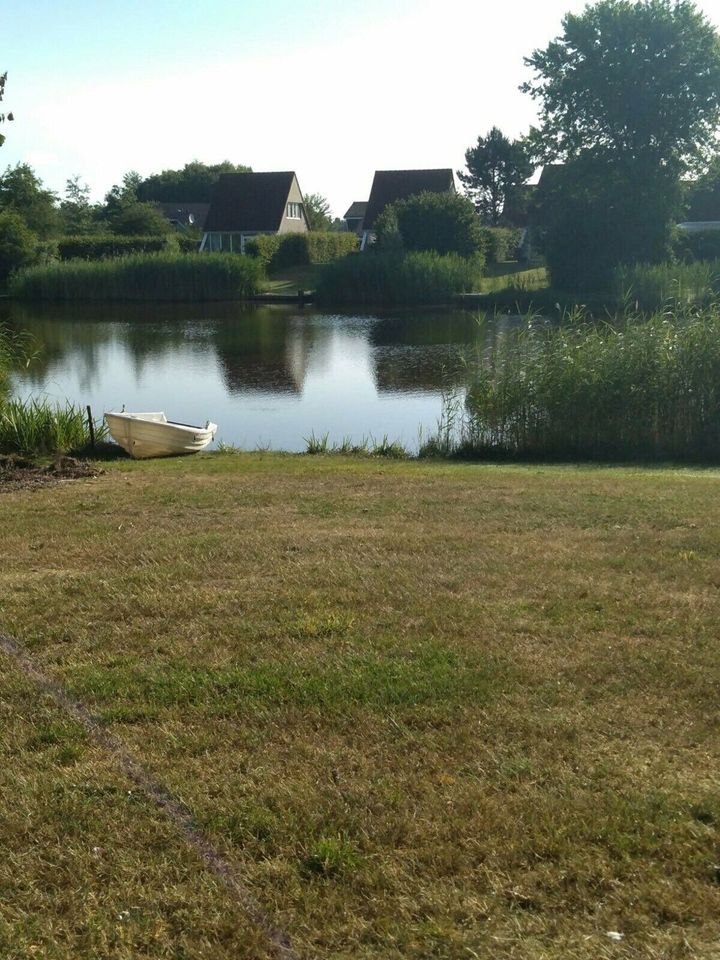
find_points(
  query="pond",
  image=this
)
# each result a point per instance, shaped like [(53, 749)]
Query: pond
[(268, 375)]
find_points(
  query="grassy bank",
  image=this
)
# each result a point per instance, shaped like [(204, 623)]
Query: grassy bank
[(162, 276), (425, 710), (38, 427)]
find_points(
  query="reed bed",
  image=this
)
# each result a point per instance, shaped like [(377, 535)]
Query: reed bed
[(396, 278), (651, 286), (641, 389), (161, 276), (366, 447), (37, 426)]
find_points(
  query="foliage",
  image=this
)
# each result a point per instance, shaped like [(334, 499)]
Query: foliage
[(501, 243), (3, 116), (629, 95), (439, 222), (22, 191), (496, 168), (317, 211), (298, 249), (641, 389), (40, 427), (397, 278), (141, 219), (99, 247), (162, 276), (76, 211), (192, 184), (653, 286), (641, 80), (595, 215), (18, 244)]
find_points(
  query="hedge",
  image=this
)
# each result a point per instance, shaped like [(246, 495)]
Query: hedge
[(501, 243), (109, 245), (299, 249)]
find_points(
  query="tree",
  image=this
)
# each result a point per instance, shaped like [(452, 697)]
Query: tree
[(18, 244), (76, 211), (634, 80), (317, 211), (141, 220), (496, 168), (192, 184), (22, 191), (629, 99), (443, 222)]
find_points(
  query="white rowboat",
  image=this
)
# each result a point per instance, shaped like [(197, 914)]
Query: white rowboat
[(153, 435)]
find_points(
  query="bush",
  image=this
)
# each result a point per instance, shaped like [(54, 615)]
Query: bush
[(396, 278), (141, 219), (299, 249), (433, 222), (18, 244), (164, 276), (110, 245), (501, 243)]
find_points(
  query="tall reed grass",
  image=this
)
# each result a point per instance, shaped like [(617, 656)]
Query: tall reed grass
[(651, 286), (396, 278), (161, 276), (644, 389), (37, 426)]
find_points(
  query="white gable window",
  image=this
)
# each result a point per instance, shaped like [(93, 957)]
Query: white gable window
[(294, 211)]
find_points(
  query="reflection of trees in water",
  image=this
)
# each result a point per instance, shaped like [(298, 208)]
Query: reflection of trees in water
[(263, 348)]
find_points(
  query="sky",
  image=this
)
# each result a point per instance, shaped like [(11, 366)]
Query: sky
[(331, 90)]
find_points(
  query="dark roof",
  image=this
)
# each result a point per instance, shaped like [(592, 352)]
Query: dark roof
[(249, 201), (391, 185), (183, 211), (356, 210)]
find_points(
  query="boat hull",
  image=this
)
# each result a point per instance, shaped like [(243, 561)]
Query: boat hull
[(145, 435)]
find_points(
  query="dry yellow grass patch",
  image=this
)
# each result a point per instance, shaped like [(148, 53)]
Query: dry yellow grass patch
[(428, 711)]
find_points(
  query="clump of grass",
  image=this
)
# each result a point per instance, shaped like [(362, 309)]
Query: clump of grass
[(39, 427), (161, 276), (397, 278), (330, 857), (367, 447), (637, 389)]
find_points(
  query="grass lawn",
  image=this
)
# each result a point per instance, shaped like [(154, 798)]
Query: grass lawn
[(424, 710), (513, 275), (289, 280)]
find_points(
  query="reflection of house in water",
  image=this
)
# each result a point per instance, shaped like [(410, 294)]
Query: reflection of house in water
[(268, 355)]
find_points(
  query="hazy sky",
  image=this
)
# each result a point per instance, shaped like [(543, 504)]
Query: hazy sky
[(332, 90)]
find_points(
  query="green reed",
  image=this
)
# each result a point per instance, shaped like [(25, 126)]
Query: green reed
[(641, 388), (160, 276), (37, 426)]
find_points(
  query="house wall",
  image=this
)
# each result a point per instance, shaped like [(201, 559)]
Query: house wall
[(290, 224)]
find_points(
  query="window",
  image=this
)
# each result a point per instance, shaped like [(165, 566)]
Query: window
[(294, 211)]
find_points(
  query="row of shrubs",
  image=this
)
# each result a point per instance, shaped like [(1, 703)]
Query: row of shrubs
[(111, 245), (300, 249), (159, 276)]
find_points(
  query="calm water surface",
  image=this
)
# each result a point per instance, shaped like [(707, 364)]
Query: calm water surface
[(268, 375)]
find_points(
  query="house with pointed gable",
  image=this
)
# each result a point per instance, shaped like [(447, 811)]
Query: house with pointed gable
[(391, 185), (244, 205)]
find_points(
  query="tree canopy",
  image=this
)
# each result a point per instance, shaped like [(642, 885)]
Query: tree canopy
[(637, 80), (496, 168), (192, 184), (443, 222), (317, 211), (22, 191), (3, 116)]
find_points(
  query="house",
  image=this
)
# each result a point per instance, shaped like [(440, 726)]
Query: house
[(244, 205), (354, 216), (186, 216), (391, 185)]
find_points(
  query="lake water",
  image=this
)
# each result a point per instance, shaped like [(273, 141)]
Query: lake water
[(268, 375)]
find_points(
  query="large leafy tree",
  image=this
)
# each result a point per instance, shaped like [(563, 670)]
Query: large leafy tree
[(317, 211), (23, 192), (496, 168), (629, 98), (192, 184)]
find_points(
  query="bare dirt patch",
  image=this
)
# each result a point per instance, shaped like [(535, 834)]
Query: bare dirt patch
[(18, 472)]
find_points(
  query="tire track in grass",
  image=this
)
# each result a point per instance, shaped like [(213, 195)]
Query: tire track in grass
[(278, 939)]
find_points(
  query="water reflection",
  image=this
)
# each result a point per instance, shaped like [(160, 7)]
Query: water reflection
[(267, 374)]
